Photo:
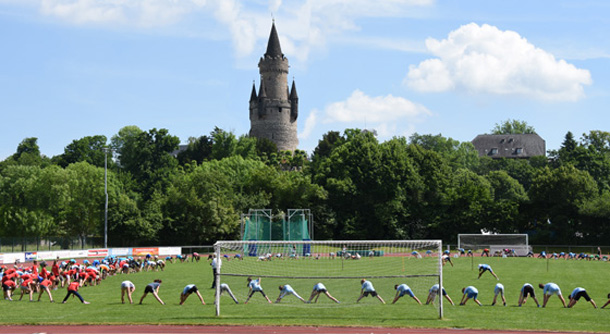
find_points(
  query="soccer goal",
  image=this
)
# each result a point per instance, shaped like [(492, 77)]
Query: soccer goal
[(496, 243), (339, 265)]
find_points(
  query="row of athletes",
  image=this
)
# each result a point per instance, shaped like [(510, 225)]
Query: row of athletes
[(367, 289), (37, 279), (548, 290)]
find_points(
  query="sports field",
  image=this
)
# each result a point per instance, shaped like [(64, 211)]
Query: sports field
[(105, 307)]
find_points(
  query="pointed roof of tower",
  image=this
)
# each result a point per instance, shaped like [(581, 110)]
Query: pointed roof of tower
[(273, 46), (253, 94), (293, 91), (262, 92)]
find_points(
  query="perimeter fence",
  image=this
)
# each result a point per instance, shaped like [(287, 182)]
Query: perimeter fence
[(37, 244)]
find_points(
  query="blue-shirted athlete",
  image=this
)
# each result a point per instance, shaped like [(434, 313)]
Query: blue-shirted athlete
[(402, 290), (550, 289), (470, 292), (255, 286), (319, 289), (576, 294), (499, 290), (368, 289), (287, 290), (485, 267)]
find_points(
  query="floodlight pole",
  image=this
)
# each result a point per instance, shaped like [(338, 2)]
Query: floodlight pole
[(106, 193)]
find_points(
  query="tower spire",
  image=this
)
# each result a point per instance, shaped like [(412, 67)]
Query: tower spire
[(273, 46), (253, 94)]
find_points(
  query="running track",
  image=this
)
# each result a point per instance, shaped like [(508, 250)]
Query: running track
[(153, 329)]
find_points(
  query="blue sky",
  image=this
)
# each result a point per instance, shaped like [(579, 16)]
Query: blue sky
[(75, 68)]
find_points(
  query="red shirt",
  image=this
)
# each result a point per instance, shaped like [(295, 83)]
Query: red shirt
[(9, 283), (27, 282), (73, 286), (55, 269), (45, 283), (44, 273)]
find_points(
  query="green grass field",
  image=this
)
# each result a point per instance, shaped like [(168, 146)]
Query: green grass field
[(105, 307)]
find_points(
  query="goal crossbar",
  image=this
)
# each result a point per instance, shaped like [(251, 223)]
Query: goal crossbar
[(312, 261)]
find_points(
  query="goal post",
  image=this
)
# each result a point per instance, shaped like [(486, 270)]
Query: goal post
[(340, 265), (495, 242)]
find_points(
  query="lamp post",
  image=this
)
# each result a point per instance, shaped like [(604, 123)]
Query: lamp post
[(106, 193)]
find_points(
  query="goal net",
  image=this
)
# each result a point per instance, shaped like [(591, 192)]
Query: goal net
[(496, 243), (339, 265)]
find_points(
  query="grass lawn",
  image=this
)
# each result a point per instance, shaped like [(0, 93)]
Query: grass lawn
[(106, 308)]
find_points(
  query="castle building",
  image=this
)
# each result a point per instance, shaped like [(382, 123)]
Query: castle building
[(275, 109)]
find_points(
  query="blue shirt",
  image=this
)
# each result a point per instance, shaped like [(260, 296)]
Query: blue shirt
[(577, 290), (551, 288), (404, 289), (367, 287), (471, 290), (255, 285)]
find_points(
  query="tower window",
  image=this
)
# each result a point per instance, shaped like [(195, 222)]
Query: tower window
[(493, 151)]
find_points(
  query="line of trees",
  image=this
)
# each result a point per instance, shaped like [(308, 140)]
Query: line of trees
[(426, 186)]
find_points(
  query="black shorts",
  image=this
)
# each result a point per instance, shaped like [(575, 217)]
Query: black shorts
[(149, 288), (582, 294), (372, 293), (5, 287), (261, 291), (529, 290), (321, 291), (192, 290)]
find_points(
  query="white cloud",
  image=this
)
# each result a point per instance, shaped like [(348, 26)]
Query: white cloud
[(303, 25), (310, 124), (484, 59), (360, 108), (389, 115), (140, 13)]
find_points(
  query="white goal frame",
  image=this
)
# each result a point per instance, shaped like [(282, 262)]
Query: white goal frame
[(496, 245), (406, 250)]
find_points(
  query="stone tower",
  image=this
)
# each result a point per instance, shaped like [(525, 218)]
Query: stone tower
[(274, 110)]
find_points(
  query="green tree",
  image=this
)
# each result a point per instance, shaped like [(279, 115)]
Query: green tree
[(28, 154), (147, 157), (23, 209), (556, 197), (512, 126), (459, 155), (83, 212), (467, 199), (503, 213), (89, 149), (246, 147), (224, 144), (198, 150)]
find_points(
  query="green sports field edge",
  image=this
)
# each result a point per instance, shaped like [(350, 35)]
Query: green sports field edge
[(105, 307)]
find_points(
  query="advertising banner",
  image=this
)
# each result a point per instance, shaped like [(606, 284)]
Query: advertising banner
[(170, 250), (12, 257), (75, 254), (145, 251), (119, 252), (29, 256), (97, 252), (1, 258)]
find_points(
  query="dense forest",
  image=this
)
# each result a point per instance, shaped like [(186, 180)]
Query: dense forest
[(424, 186)]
